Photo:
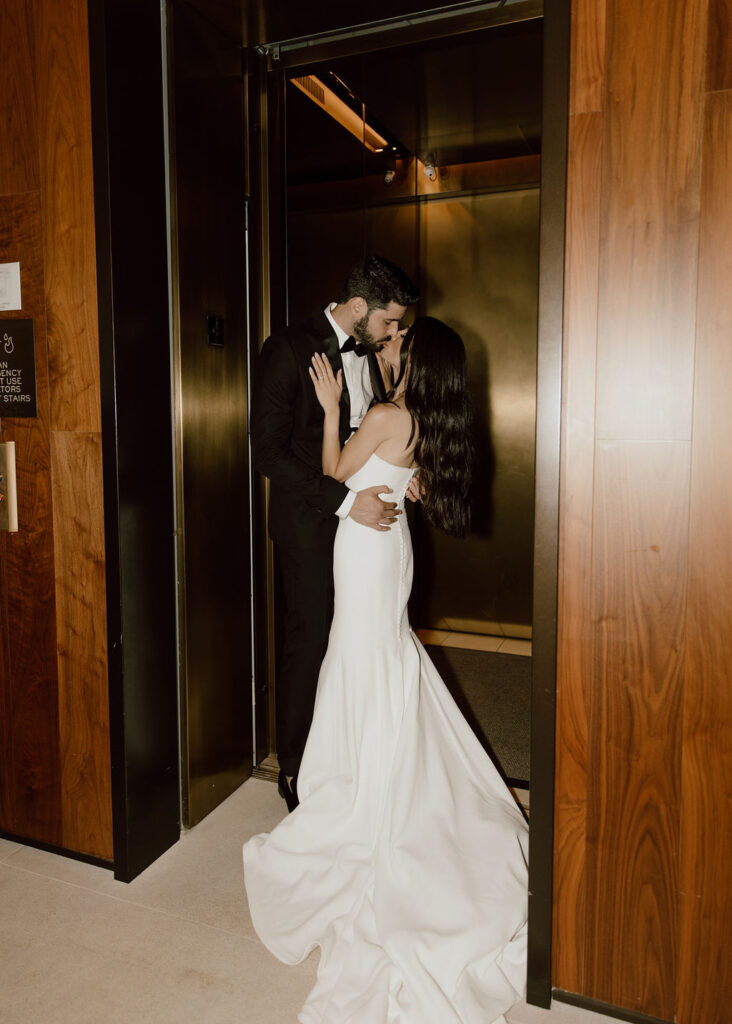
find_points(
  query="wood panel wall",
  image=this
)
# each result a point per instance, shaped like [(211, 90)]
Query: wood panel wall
[(54, 722), (643, 885)]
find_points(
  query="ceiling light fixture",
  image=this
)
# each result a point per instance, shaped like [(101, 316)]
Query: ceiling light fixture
[(326, 99)]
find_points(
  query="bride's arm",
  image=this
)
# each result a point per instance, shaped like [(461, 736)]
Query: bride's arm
[(375, 428), (328, 390), (331, 443)]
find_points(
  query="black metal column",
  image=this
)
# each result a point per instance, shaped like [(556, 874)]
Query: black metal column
[(546, 503), (134, 340)]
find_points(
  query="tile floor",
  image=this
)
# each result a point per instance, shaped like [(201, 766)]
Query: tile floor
[(475, 641), (175, 946)]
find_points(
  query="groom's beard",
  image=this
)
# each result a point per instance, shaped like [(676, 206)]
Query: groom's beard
[(363, 335)]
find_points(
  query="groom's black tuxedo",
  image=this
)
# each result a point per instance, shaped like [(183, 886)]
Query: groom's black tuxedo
[(287, 435), (287, 432)]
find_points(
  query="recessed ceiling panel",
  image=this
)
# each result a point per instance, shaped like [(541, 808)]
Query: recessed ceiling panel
[(471, 98)]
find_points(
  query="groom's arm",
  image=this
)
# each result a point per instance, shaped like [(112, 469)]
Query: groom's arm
[(273, 413)]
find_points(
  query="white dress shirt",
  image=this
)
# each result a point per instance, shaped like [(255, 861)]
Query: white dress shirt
[(360, 391), (355, 374)]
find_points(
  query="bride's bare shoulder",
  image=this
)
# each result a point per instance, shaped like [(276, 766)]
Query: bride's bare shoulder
[(399, 406), (385, 414), (396, 433)]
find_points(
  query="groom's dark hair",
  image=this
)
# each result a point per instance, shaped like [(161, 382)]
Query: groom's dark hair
[(379, 282)]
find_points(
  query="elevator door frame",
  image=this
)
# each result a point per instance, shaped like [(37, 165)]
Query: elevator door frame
[(268, 262)]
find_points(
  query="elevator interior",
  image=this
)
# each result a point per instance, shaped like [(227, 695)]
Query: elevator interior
[(243, 203), (429, 154)]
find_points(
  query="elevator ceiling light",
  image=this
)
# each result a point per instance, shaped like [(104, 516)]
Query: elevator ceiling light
[(327, 100)]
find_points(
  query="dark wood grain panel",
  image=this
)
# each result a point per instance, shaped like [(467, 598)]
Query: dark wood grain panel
[(587, 60), (719, 45), (6, 733), (62, 63), (639, 582), (19, 148), (574, 650), (651, 157), (28, 571), (705, 883), (76, 461), (56, 794)]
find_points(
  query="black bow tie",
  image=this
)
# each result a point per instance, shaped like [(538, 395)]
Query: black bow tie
[(351, 345)]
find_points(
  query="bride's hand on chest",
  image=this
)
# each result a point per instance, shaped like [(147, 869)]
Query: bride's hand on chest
[(328, 386)]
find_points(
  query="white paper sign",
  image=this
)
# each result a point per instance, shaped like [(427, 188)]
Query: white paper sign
[(10, 286)]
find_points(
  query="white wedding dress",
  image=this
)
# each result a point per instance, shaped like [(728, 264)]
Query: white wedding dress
[(406, 859)]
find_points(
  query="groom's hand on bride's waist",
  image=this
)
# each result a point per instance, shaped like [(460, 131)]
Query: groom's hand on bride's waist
[(369, 510)]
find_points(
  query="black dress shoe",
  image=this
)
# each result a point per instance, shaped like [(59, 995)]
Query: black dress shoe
[(288, 790)]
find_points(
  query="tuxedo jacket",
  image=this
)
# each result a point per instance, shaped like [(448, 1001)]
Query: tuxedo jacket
[(287, 432)]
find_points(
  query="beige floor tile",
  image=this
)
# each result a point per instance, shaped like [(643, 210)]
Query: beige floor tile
[(560, 1013), (516, 647), (473, 642), (436, 637), (72, 956), (522, 795), (8, 848), (519, 632), (199, 879), (480, 627), (173, 947)]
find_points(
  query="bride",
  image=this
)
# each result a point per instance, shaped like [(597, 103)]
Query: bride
[(406, 859)]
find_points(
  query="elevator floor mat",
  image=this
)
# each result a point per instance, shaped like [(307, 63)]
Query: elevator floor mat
[(493, 691)]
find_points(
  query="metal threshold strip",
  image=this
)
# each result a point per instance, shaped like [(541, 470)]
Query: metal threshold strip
[(454, 18)]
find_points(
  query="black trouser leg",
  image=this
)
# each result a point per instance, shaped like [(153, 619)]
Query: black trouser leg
[(307, 582)]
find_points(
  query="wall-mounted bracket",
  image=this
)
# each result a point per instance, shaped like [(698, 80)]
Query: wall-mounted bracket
[(8, 488)]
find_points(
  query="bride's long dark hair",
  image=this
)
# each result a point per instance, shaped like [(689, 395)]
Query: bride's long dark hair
[(437, 398)]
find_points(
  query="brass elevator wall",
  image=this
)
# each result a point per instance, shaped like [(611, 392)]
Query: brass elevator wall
[(211, 415), (475, 258), (452, 196), (480, 259)]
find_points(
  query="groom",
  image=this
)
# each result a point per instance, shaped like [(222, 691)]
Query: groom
[(304, 505)]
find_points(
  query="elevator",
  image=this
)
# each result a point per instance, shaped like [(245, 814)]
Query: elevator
[(442, 170), (428, 153)]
